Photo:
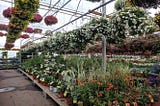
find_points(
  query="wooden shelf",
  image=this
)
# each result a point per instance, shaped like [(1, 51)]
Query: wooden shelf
[(46, 91)]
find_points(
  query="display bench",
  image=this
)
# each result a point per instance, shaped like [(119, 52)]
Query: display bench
[(54, 96)]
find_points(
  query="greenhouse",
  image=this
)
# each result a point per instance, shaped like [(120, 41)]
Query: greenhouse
[(79, 52)]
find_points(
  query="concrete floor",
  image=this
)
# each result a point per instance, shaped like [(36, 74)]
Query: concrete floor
[(25, 94)]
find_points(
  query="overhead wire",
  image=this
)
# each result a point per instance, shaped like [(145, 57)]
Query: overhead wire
[(51, 8), (61, 7), (83, 15), (76, 10)]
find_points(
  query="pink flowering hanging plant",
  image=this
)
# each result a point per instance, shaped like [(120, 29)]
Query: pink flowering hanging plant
[(36, 18), (49, 20), (7, 12), (3, 27), (25, 36), (29, 30)]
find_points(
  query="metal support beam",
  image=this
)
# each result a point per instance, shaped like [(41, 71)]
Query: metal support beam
[(103, 41)]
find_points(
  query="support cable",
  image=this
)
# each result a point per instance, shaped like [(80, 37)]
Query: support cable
[(77, 18), (61, 7), (75, 11), (83, 15), (51, 8)]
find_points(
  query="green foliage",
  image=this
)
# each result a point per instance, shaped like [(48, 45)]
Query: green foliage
[(119, 4)]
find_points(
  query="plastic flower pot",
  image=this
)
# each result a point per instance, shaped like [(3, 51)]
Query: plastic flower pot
[(55, 90)]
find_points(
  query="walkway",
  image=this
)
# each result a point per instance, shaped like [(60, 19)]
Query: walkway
[(22, 93)]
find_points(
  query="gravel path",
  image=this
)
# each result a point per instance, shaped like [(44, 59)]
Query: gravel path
[(24, 94)]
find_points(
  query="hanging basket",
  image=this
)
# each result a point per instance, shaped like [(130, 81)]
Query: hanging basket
[(25, 36), (37, 18), (50, 20), (29, 30), (3, 27), (7, 12)]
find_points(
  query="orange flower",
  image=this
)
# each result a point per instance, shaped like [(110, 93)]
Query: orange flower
[(128, 104), (100, 83), (109, 86), (93, 80)]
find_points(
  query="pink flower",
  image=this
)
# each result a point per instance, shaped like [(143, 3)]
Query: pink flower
[(49, 20), (3, 27), (7, 12), (37, 18), (25, 36), (29, 30)]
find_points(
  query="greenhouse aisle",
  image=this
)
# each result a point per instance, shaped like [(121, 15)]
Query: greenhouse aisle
[(18, 91)]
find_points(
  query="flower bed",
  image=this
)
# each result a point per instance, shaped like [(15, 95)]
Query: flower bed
[(81, 79)]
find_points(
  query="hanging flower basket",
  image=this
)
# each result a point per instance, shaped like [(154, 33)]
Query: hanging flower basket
[(7, 12), (3, 27), (36, 18), (8, 46), (29, 30), (37, 30), (49, 20), (25, 36)]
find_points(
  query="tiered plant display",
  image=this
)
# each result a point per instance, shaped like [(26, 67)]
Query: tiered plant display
[(21, 15), (81, 79)]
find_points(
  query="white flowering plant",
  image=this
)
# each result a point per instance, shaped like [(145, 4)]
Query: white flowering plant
[(131, 21)]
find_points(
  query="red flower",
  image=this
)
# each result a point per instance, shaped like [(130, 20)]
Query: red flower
[(25, 36), (7, 12), (29, 30), (37, 18), (3, 27), (49, 20)]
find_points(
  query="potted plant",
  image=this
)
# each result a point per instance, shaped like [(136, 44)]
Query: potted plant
[(37, 18), (29, 30), (49, 20), (25, 36), (7, 12), (3, 27)]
